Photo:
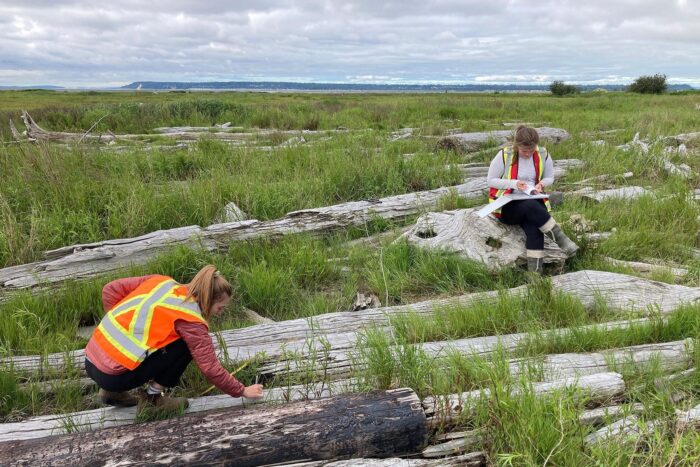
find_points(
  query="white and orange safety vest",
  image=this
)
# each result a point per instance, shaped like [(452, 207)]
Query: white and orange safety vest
[(144, 321), (511, 173)]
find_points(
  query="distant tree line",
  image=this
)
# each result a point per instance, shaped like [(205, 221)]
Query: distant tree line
[(644, 84)]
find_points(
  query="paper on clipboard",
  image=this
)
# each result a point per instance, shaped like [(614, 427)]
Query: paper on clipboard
[(505, 199)]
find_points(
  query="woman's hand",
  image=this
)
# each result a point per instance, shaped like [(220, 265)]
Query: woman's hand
[(521, 185), (539, 187), (253, 392)]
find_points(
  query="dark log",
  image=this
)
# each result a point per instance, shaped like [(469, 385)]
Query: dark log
[(380, 424)]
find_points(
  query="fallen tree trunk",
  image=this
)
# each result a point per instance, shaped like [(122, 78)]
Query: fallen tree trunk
[(473, 141), (483, 239), (473, 459), (93, 259), (599, 387), (339, 330), (380, 424), (35, 132), (90, 420)]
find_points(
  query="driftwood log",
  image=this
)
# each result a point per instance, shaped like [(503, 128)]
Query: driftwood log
[(381, 424), (626, 193), (473, 141), (473, 459), (90, 420), (92, 259), (340, 330), (647, 268), (480, 239), (35, 132), (599, 387)]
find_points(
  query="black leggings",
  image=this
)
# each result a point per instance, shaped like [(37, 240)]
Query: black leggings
[(164, 366), (530, 214)]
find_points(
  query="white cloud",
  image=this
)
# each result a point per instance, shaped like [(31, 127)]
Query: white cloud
[(79, 43)]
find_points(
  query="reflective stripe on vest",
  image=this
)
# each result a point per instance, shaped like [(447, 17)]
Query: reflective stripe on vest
[(510, 165), (130, 338)]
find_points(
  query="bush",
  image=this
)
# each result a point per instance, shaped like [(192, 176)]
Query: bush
[(649, 84), (558, 88)]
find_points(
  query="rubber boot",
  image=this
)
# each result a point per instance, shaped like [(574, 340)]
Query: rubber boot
[(535, 263), (565, 243), (118, 399), (552, 230)]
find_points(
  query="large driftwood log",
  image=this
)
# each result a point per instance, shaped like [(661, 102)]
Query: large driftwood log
[(473, 141), (381, 424), (306, 336), (480, 239), (561, 166), (90, 420), (92, 259), (37, 133), (598, 387), (89, 260)]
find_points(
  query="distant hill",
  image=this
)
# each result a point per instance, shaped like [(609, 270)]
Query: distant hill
[(350, 87)]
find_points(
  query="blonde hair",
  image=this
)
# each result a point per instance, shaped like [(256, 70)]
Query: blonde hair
[(207, 287), (526, 137)]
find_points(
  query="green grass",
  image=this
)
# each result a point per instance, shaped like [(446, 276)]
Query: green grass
[(54, 196)]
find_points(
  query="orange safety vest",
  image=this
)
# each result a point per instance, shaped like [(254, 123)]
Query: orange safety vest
[(511, 173), (144, 321)]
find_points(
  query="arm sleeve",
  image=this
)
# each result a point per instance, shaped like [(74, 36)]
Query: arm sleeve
[(496, 171), (199, 343), (548, 173), (115, 291)]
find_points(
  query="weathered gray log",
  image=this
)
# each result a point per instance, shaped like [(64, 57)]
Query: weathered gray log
[(92, 259), (456, 443), (380, 424), (90, 420), (37, 133), (473, 459), (682, 138), (482, 239), (473, 141), (561, 167), (628, 193), (232, 213), (600, 415), (599, 387), (646, 268), (682, 170), (340, 329)]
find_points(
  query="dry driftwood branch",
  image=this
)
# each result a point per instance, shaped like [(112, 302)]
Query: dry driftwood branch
[(473, 459), (254, 317), (472, 141), (90, 420), (340, 330), (380, 424), (457, 443), (15, 134)]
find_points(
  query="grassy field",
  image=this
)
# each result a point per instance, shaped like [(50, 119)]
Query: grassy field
[(56, 195)]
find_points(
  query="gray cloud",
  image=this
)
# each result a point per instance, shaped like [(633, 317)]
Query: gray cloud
[(81, 43)]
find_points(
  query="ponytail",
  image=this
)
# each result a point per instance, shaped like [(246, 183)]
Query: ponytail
[(208, 287)]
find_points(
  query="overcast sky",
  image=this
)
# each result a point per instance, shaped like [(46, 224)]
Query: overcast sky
[(81, 43)]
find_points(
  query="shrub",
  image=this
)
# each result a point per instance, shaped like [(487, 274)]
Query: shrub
[(649, 84), (559, 88)]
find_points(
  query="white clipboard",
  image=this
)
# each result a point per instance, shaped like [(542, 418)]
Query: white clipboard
[(505, 199)]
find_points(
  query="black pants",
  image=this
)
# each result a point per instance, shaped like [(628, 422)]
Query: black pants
[(164, 366), (530, 214)]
